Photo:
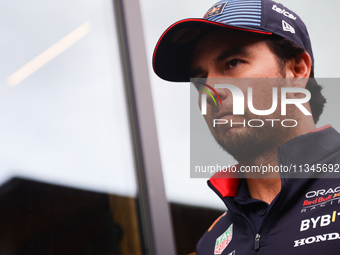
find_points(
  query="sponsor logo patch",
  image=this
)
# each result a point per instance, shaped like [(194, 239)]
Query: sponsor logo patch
[(317, 239), (320, 221), (283, 12), (323, 192), (309, 205), (217, 9), (321, 198), (223, 240)]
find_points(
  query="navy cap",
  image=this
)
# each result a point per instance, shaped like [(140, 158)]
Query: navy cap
[(172, 54)]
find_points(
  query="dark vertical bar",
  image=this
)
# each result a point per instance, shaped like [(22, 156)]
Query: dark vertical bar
[(155, 213)]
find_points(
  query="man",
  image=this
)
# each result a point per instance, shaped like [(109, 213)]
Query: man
[(264, 45)]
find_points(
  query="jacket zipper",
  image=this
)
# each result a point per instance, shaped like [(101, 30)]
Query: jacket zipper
[(252, 228), (257, 242), (267, 218), (257, 235)]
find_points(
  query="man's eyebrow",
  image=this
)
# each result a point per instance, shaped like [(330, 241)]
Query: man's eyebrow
[(195, 72), (233, 51)]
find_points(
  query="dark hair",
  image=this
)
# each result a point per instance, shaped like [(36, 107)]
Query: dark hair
[(284, 50)]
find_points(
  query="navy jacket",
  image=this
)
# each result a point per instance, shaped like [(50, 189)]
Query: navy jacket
[(303, 219)]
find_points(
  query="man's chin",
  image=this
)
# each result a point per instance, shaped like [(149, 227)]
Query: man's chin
[(245, 144)]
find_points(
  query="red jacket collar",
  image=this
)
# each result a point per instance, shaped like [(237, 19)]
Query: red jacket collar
[(226, 183)]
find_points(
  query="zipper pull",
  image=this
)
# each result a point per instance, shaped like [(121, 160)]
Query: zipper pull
[(257, 242)]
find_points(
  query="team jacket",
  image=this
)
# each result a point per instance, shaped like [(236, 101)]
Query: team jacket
[(304, 218)]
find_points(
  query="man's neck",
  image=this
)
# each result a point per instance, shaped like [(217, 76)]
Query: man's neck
[(265, 189), (266, 185)]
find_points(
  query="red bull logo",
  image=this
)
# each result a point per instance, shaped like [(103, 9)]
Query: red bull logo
[(215, 10)]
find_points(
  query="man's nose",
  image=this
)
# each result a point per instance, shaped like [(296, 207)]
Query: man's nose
[(219, 94)]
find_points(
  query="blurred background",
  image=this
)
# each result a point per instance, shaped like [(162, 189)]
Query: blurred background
[(70, 180)]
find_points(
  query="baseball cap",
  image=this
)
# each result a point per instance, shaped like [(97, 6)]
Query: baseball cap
[(172, 54)]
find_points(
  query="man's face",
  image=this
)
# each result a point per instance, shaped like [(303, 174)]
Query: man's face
[(238, 54)]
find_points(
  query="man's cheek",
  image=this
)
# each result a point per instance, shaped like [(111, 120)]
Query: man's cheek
[(209, 121)]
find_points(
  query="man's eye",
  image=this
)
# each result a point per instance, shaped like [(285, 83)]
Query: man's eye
[(232, 63)]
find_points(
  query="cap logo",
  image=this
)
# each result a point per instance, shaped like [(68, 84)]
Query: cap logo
[(287, 27), (283, 12), (217, 9)]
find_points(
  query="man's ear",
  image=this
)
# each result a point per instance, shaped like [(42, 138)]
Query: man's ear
[(299, 67)]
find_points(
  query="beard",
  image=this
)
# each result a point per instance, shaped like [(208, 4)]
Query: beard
[(248, 143)]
